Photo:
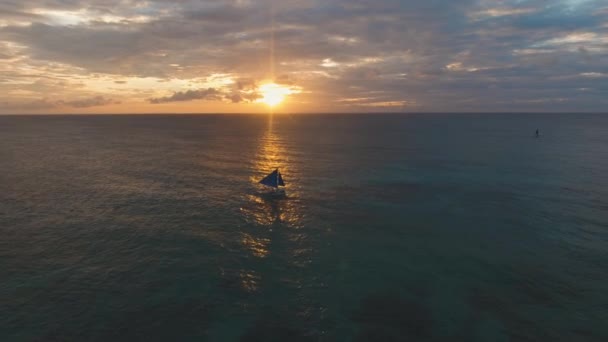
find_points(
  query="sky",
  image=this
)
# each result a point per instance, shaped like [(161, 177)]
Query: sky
[(237, 56)]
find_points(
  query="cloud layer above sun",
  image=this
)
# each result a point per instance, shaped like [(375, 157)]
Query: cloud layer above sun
[(123, 56)]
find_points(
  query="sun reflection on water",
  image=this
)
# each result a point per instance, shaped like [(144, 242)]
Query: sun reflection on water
[(271, 155), (263, 207), (257, 246), (272, 233), (249, 280)]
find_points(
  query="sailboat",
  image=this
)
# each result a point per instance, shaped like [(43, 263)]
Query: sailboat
[(274, 180)]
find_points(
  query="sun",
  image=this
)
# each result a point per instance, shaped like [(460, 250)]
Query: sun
[(273, 94)]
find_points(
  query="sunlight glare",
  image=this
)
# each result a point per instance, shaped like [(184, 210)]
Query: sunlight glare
[(273, 94)]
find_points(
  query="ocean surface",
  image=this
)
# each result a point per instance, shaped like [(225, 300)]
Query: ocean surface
[(411, 227)]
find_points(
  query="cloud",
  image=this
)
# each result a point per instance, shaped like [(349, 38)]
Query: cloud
[(438, 54), (45, 103), (89, 102), (247, 97), (500, 12), (34, 105), (189, 95)]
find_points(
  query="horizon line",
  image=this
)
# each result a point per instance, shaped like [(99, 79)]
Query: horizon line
[(302, 113)]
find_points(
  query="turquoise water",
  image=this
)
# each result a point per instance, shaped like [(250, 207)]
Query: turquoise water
[(395, 228)]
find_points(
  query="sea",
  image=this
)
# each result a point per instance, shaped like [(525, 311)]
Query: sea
[(393, 227)]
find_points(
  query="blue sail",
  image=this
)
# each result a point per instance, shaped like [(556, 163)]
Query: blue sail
[(274, 179)]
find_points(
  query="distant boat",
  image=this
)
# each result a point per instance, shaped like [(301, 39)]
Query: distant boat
[(273, 180)]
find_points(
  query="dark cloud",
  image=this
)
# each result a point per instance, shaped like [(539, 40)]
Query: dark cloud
[(238, 97), (89, 102), (189, 95), (242, 91)]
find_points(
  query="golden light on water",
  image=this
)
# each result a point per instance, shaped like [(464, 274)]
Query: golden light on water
[(258, 246), (267, 212)]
